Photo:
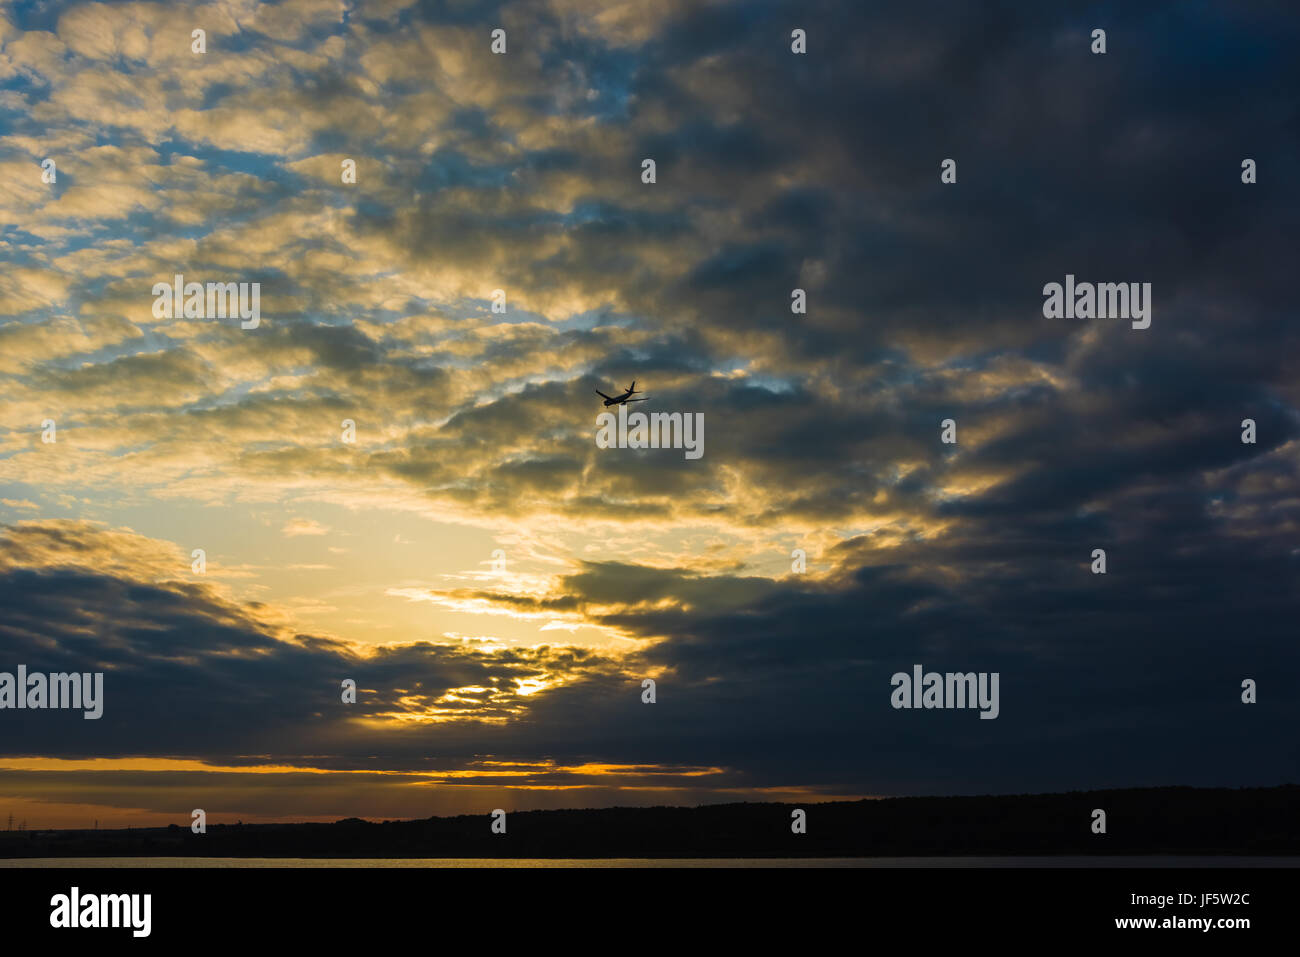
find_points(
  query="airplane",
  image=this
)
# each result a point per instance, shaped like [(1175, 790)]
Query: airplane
[(623, 399)]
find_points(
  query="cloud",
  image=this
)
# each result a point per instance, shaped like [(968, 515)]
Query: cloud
[(303, 526), (521, 172)]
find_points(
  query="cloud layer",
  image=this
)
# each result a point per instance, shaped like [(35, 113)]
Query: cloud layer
[(375, 559)]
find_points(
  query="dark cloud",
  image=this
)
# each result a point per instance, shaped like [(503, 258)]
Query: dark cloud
[(775, 171), (1132, 678)]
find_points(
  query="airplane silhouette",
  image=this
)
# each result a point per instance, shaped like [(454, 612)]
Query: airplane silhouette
[(623, 399)]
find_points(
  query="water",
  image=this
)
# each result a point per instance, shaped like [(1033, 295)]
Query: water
[(1171, 861)]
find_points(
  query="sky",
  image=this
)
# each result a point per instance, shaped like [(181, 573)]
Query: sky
[(497, 584)]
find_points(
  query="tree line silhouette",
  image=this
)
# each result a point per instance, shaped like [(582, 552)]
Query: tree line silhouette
[(1171, 820)]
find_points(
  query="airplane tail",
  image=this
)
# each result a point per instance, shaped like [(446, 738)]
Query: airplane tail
[(632, 387)]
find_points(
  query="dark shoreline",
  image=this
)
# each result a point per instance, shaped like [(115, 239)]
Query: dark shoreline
[(1140, 821)]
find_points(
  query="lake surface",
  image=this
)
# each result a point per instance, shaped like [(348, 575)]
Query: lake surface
[(549, 862)]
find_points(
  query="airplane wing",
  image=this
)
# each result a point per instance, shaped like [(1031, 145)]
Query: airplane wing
[(638, 400), (601, 394)]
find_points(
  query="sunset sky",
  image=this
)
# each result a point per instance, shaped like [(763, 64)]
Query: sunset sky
[(520, 687)]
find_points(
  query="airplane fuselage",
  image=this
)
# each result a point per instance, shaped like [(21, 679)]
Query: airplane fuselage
[(621, 399)]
